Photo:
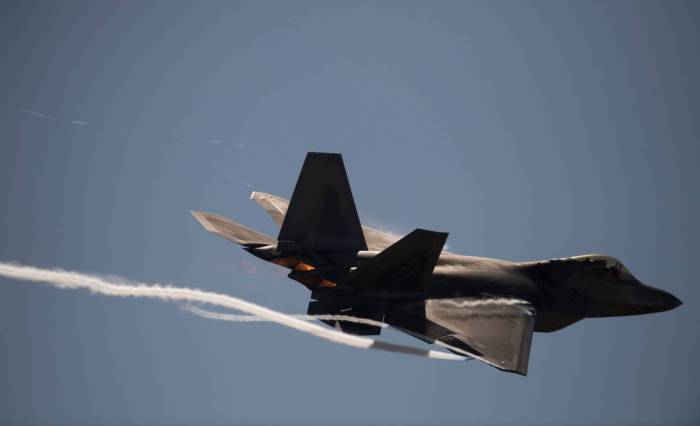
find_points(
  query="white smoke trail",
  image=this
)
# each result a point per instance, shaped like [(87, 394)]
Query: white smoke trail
[(117, 287), (252, 318)]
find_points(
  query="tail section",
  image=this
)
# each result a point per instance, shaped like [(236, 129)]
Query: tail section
[(321, 220), (406, 265), (275, 206)]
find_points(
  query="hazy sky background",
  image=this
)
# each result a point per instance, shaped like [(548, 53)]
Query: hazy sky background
[(527, 130)]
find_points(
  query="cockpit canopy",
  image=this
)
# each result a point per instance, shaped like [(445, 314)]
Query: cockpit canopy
[(606, 266)]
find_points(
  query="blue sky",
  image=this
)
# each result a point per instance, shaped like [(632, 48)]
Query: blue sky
[(527, 130)]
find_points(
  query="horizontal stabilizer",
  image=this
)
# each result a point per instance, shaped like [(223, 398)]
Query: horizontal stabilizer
[(404, 266), (232, 231), (275, 206)]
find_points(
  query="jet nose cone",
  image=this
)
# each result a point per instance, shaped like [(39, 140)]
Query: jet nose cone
[(659, 300), (670, 301)]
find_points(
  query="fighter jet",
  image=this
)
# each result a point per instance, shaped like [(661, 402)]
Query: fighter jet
[(477, 307)]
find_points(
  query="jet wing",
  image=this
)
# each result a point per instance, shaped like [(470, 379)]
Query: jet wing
[(276, 207), (496, 331)]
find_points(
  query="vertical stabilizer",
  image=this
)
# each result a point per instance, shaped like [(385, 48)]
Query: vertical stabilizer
[(321, 217)]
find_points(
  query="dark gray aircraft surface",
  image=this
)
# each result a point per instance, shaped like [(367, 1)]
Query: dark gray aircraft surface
[(477, 307)]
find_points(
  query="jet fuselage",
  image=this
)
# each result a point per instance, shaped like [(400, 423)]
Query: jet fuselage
[(474, 306), (562, 291)]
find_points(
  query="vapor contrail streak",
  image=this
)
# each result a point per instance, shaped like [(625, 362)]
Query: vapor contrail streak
[(52, 117), (473, 302), (118, 287), (253, 318)]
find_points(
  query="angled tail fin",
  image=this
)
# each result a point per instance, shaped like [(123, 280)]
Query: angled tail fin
[(276, 207), (321, 217), (405, 265)]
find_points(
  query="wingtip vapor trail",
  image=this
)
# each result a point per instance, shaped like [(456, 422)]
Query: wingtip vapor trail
[(117, 287)]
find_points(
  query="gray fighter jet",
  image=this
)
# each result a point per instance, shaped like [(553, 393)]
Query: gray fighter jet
[(477, 307)]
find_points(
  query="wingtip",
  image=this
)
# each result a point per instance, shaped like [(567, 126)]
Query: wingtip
[(202, 219), (257, 195)]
